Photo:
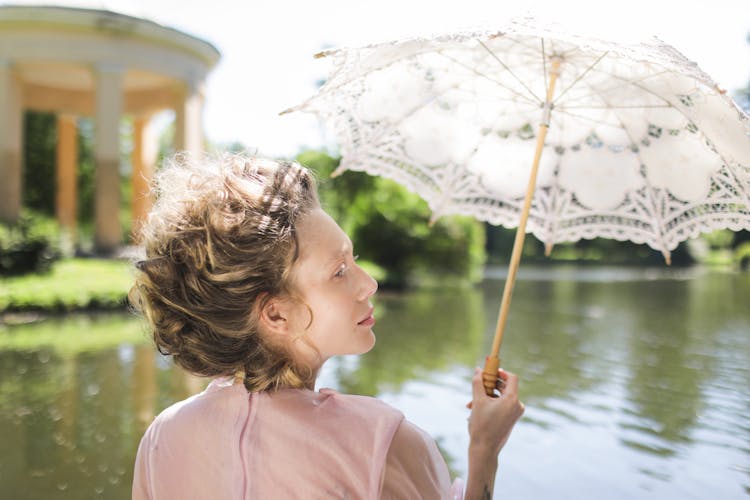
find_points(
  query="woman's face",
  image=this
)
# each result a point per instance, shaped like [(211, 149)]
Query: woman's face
[(334, 287)]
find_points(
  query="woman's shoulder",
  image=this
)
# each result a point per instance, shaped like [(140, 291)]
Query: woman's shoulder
[(219, 400), (206, 425), (222, 405), (363, 403), (330, 405)]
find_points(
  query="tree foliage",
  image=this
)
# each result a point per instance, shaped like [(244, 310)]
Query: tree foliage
[(39, 150), (86, 170), (389, 226), (31, 244)]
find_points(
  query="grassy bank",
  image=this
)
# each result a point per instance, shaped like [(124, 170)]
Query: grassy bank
[(72, 284)]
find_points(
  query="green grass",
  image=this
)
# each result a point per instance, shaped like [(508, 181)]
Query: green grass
[(71, 284)]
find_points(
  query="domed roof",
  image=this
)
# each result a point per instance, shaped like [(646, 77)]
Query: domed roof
[(57, 51)]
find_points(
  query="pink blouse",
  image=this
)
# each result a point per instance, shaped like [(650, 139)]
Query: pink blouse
[(226, 443)]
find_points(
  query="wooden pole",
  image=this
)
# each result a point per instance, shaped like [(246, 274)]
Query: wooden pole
[(492, 363)]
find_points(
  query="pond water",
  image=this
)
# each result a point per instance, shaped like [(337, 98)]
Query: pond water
[(636, 384)]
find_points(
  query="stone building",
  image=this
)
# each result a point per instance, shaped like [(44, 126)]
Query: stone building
[(100, 64)]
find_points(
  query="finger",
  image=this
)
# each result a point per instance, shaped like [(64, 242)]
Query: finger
[(511, 383), (477, 385), (502, 377)]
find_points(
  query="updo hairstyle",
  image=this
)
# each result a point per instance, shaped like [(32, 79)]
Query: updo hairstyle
[(220, 242)]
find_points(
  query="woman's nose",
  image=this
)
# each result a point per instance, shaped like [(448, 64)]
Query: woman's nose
[(369, 285)]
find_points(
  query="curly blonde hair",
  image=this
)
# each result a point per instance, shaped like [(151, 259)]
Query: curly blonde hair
[(220, 242)]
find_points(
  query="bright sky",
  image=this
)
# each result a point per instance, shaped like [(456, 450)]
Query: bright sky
[(267, 45)]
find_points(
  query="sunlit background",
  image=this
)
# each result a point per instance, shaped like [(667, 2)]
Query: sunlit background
[(635, 377)]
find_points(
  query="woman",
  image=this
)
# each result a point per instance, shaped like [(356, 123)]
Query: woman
[(247, 280)]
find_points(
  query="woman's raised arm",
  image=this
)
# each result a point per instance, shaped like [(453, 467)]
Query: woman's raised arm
[(491, 421)]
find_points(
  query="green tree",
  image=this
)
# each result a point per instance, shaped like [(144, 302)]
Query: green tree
[(389, 226), (39, 150), (597, 250), (86, 170)]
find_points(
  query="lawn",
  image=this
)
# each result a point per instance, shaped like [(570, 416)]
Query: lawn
[(71, 284)]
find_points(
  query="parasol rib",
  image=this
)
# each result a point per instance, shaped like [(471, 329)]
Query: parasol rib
[(495, 56), (633, 106), (544, 63), (493, 80), (623, 85), (580, 77)]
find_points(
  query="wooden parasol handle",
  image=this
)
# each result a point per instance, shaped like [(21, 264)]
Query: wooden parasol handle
[(489, 376)]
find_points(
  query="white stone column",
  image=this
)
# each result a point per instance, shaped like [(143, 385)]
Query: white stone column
[(145, 151), (188, 133), (66, 202), (109, 101), (11, 142)]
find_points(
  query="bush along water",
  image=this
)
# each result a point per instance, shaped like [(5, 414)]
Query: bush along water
[(31, 244)]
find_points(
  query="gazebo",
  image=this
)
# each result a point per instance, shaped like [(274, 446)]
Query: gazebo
[(100, 64)]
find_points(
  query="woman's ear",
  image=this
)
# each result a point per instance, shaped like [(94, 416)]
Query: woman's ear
[(275, 316)]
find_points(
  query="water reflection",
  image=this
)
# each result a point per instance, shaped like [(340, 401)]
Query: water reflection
[(666, 359), (417, 334), (70, 420), (636, 384), (664, 387)]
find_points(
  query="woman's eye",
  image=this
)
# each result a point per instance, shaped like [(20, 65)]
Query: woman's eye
[(340, 271)]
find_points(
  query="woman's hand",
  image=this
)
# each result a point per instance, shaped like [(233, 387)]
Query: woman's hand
[(490, 423), (492, 418)]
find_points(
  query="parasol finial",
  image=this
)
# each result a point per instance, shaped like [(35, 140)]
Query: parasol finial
[(667, 257)]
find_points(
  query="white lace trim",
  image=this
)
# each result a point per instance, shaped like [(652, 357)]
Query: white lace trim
[(642, 145)]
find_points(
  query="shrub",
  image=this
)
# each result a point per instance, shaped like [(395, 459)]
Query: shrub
[(742, 255), (29, 245)]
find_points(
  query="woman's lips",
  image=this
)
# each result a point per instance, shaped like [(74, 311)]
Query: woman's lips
[(369, 320)]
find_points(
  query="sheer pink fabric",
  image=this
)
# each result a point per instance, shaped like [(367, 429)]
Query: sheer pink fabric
[(226, 443), (414, 468)]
